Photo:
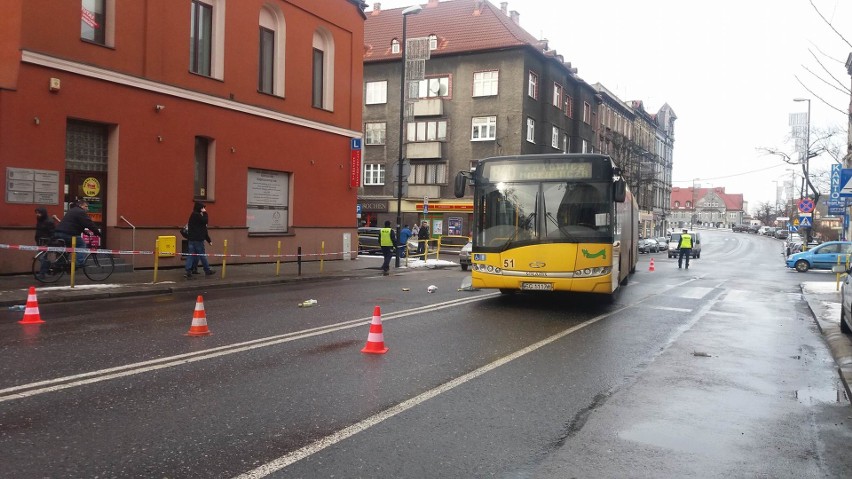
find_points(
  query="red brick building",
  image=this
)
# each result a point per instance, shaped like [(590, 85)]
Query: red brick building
[(146, 106)]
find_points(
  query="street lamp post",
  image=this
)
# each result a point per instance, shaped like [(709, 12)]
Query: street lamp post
[(806, 166), (413, 10)]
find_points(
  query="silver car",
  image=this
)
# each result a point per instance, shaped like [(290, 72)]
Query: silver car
[(464, 255)]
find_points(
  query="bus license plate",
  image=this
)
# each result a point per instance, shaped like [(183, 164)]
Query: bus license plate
[(537, 286)]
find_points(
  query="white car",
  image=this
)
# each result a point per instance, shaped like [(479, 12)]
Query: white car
[(846, 303)]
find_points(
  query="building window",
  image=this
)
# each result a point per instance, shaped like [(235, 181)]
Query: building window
[(428, 173), (433, 41), (483, 128), (586, 147), (569, 106), (374, 133), (201, 38), (203, 168), (270, 72), (266, 72), (565, 143), (394, 46), (323, 70), (419, 131), (554, 138), (530, 130), (374, 174), (532, 88), (485, 83), (377, 92), (557, 95), (434, 87), (93, 20), (587, 113)]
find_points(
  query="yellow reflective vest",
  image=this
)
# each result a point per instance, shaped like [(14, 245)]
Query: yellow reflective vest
[(385, 237), (686, 240)]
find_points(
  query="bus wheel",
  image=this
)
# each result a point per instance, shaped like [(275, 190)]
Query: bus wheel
[(624, 281)]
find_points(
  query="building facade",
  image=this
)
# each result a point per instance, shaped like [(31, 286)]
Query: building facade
[(488, 88), (711, 207), (145, 107)]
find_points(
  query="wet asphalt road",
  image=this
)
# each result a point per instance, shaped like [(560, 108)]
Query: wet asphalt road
[(715, 371)]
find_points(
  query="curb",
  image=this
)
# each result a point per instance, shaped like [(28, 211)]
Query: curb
[(838, 342)]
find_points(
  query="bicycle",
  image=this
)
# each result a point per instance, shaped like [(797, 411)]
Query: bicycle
[(96, 266)]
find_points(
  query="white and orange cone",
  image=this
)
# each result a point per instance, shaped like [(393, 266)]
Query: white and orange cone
[(651, 267), (376, 339), (31, 314), (199, 320)]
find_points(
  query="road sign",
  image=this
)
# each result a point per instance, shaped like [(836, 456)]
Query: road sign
[(806, 205), (845, 183), (804, 222), (356, 144)]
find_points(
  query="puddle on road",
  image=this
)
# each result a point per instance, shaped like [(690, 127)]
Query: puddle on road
[(812, 396)]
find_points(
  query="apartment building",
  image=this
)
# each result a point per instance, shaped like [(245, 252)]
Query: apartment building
[(145, 107), (488, 88)]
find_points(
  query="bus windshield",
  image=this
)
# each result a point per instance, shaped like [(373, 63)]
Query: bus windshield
[(521, 213)]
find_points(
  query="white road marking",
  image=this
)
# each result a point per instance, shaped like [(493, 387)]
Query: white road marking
[(322, 443), (57, 384), (666, 308)]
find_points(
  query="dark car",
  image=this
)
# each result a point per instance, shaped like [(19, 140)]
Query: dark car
[(648, 245), (464, 256)]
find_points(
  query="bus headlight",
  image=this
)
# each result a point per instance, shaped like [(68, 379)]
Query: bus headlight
[(592, 272)]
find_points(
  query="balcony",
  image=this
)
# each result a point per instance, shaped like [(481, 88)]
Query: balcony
[(428, 107), (423, 151)]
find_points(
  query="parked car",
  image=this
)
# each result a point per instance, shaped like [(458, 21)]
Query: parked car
[(824, 256), (846, 304), (464, 255), (368, 240), (648, 245), (782, 234), (663, 243), (674, 245)]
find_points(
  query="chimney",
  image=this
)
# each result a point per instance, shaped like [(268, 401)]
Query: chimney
[(516, 17), (377, 7), (503, 8), (432, 3)]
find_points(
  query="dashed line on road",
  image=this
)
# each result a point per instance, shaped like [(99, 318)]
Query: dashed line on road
[(322, 443)]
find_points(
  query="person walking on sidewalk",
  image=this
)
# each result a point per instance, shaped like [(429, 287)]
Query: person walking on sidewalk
[(197, 226), (387, 240), (44, 227), (685, 245)]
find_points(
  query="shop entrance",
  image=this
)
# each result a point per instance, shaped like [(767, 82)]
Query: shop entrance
[(86, 159)]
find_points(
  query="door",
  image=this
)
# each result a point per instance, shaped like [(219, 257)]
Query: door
[(91, 186)]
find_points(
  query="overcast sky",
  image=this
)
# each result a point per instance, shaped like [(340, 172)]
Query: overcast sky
[(728, 68)]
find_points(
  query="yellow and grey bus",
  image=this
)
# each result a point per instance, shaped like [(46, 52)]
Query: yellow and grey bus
[(561, 222)]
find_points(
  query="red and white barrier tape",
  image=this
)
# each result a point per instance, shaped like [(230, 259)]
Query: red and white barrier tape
[(62, 249)]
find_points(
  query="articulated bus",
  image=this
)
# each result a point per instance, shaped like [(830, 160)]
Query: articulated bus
[(560, 222)]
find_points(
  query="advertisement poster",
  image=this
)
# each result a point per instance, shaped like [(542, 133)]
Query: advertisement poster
[(454, 226), (437, 227)]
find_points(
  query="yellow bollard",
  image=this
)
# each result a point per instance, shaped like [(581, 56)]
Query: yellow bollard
[(322, 254), (73, 258), (156, 258), (224, 258), (278, 260)]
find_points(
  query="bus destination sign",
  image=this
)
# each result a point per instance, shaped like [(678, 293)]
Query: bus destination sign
[(541, 171)]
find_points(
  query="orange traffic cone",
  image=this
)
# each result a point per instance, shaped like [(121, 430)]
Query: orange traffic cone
[(375, 340), (199, 320), (651, 267), (31, 314)]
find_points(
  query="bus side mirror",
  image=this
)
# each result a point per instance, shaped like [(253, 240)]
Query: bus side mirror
[(619, 191), (460, 183)]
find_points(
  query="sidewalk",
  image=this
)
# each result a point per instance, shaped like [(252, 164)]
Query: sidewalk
[(14, 288), (824, 302)]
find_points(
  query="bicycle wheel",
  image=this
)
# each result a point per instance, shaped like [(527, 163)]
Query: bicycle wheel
[(54, 271), (98, 266)]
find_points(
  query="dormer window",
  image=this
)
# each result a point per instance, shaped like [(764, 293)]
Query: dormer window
[(433, 42), (394, 46)]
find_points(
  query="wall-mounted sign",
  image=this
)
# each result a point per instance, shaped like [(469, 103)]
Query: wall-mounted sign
[(25, 185)]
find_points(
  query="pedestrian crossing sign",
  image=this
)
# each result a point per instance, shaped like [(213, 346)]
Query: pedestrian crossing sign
[(804, 222)]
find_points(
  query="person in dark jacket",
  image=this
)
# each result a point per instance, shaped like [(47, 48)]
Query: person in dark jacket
[(72, 225), (44, 227), (423, 237), (197, 225)]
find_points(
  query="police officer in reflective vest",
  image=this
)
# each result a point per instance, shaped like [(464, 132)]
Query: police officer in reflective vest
[(685, 246), (387, 240)]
